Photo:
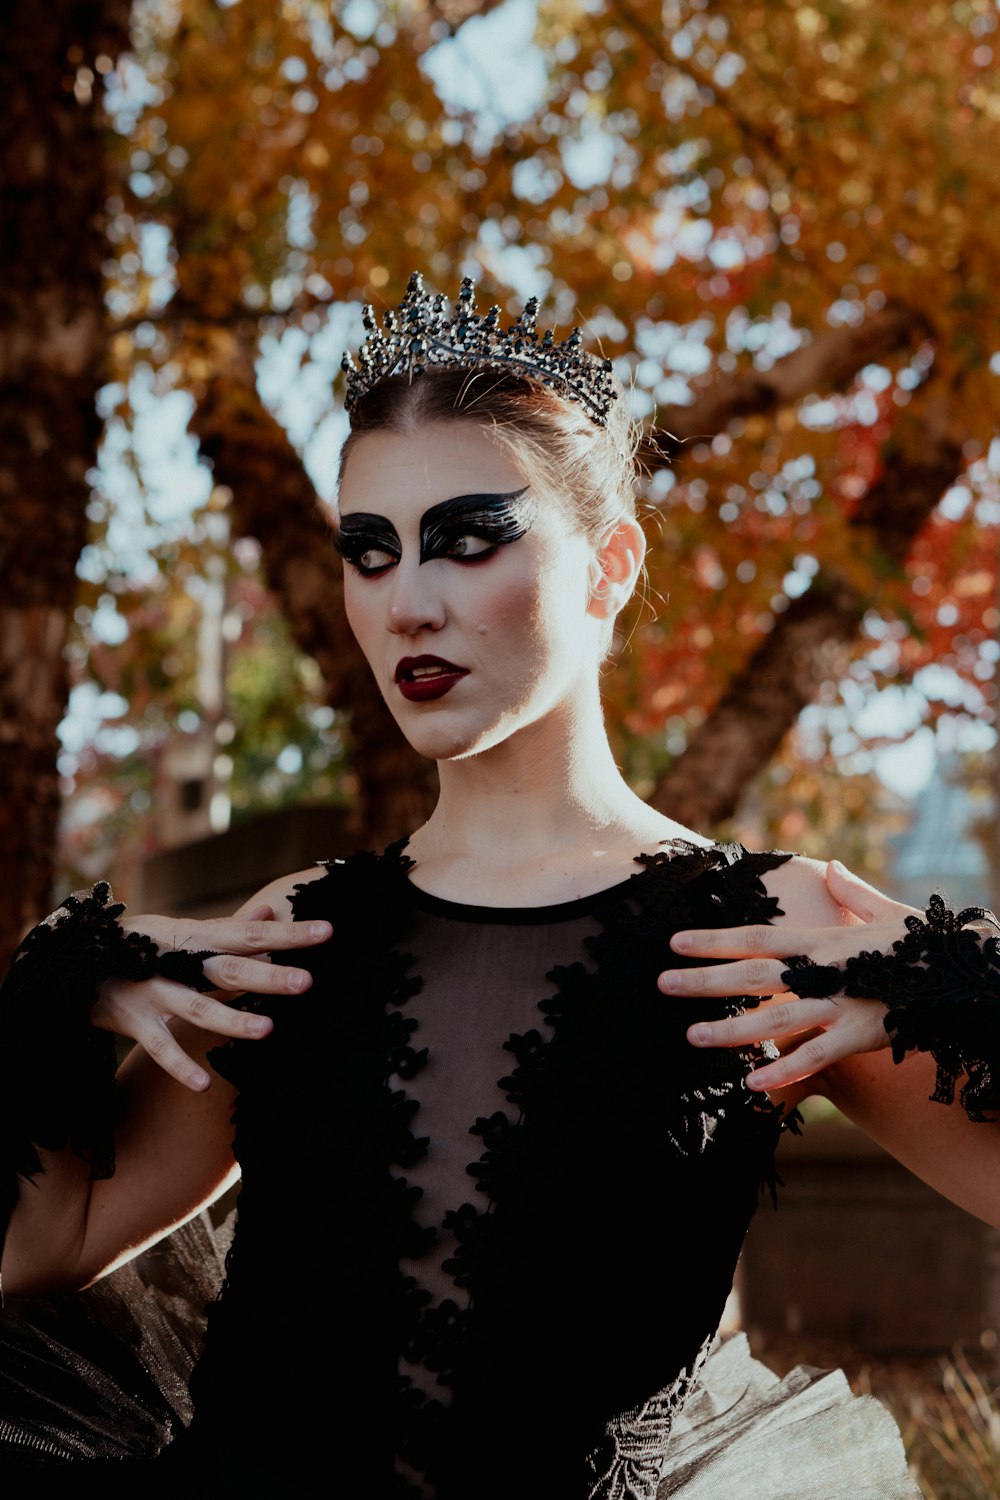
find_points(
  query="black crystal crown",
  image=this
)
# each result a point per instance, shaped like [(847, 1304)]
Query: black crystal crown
[(419, 335)]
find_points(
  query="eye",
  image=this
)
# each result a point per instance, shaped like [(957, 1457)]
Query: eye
[(468, 547), (368, 544), (373, 560)]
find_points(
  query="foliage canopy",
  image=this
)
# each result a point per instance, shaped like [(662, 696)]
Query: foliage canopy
[(711, 187)]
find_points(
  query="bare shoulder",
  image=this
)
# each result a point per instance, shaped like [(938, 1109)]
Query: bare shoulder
[(278, 893), (804, 896)]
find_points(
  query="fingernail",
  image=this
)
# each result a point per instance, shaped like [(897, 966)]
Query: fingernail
[(753, 1082), (700, 1035), (201, 1082), (680, 941), (297, 980), (670, 982), (319, 929), (259, 1026)]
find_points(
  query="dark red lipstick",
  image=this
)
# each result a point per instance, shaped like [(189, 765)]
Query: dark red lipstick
[(423, 678)]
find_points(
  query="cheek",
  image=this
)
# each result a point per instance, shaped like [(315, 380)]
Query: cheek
[(535, 623), (507, 617), (360, 610)]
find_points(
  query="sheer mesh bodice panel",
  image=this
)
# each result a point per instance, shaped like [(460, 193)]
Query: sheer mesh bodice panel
[(484, 976)]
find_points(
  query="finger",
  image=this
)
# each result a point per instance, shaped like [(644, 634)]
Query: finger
[(804, 1062), (250, 935), (762, 1024), (242, 935), (741, 942), (753, 976), (213, 1015), (238, 975), (861, 1032), (864, 900), (136, 1010), (158, 1041)]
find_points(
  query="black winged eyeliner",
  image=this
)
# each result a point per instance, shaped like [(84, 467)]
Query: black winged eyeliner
[(361, 533), (499, 519)]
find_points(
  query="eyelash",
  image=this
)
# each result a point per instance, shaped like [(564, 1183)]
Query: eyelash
[(370, 572), (352, 549), (475, 557)]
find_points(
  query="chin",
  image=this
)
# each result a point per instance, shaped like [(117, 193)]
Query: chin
[(444, 742), (443, 750), (452, 733), (436, 741)]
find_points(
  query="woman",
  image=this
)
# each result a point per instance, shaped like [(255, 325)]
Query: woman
[(500, 1153)]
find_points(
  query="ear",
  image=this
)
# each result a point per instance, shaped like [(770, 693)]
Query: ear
[(615, 569)]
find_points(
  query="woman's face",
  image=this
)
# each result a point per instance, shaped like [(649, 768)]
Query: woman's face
[(468, 594)]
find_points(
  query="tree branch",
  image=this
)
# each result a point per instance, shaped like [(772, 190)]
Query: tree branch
[(829, 362)]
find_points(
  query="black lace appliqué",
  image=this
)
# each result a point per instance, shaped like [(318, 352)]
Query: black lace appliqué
[(940, 985), (58, 1082), (321, 1132)]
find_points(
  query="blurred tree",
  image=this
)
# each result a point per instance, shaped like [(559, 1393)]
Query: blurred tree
[(743, 224), (778, 218), (52, 347)]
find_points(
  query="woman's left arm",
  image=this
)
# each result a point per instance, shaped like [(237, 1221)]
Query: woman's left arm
[(838, 1046)]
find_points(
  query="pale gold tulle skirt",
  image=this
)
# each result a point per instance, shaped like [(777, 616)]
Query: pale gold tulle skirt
[(746, 1433)]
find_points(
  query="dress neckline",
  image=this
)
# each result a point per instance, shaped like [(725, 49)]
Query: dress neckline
[(519, 916), (556, 911)]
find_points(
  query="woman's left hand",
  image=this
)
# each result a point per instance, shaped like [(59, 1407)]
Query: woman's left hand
[(828, 1030)]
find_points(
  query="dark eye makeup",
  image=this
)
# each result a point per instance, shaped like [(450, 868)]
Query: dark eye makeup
[(369, 543), (467, 529), (496, 520)]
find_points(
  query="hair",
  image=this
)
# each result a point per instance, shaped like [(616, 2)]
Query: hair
[(590, 471)]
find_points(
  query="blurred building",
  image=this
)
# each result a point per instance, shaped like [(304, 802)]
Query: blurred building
[(947, 846)]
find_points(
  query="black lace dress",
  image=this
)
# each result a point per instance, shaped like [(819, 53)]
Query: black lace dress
[(492, 1205)]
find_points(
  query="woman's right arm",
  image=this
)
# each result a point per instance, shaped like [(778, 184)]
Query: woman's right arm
[(173, 1130)]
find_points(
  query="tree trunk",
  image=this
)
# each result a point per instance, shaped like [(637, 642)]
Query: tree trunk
[(52, 343), (275, 502), (762, 702)]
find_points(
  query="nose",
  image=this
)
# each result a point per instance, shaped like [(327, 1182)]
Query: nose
[(415, 603)]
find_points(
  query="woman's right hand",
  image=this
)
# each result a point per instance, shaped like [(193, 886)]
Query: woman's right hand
[(240, 945)]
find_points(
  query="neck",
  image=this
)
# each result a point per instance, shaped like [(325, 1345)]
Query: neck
[(551, 788)]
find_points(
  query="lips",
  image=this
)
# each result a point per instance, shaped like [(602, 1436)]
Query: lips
[(423, 678)]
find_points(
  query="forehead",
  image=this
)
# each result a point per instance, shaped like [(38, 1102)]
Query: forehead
[(389, 470)]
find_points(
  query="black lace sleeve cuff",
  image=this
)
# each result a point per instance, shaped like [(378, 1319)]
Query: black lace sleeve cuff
[(57, 1070), (940, 985)]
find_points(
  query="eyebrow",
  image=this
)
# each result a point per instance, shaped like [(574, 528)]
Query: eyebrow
[(355, 518), (363, 520), (468, 507)]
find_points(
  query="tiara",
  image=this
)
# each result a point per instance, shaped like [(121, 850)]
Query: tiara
[(418, 335)]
